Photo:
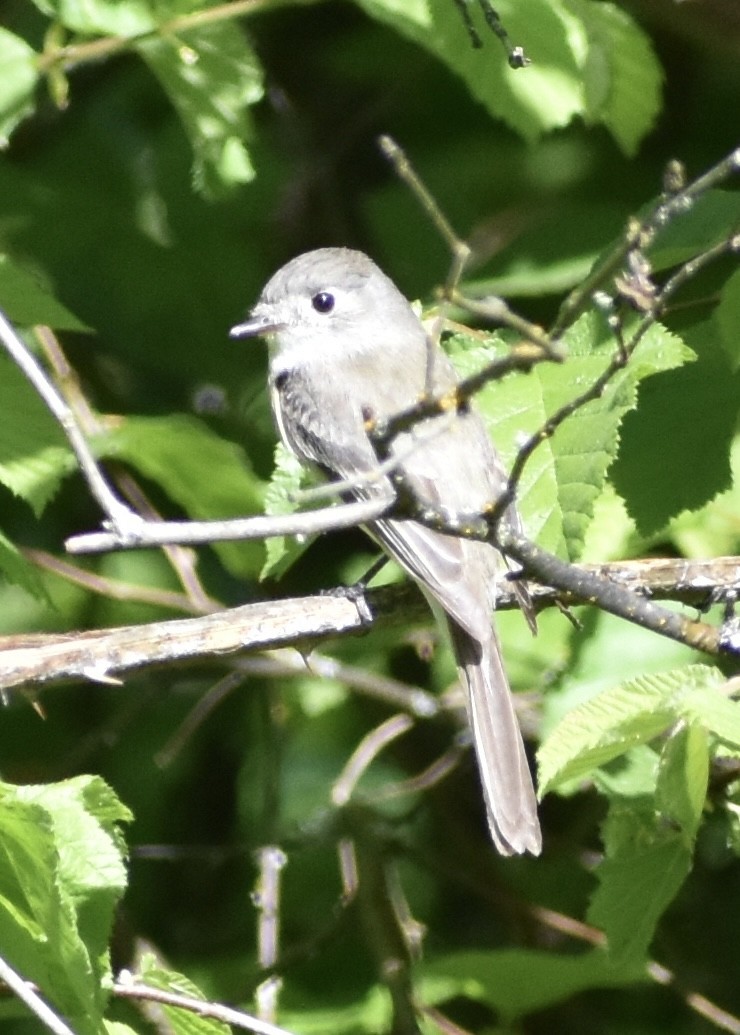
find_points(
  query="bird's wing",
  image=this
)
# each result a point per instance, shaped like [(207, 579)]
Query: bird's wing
[(459, 574)]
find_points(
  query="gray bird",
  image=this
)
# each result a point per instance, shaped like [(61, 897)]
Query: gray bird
[(344, 343)]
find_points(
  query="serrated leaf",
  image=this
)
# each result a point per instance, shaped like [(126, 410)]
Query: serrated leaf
[(683, 776), (621, 73), (207, 475), (212, 76), (616, 720), (568, 45), (33, 456), (28, 299), (646, 863), (695, 410), (516, 982), (19, 77), (545, 95), (86, 816), (717, 714), (288, 476), (182, 1022), (567, 473), (51, 896)]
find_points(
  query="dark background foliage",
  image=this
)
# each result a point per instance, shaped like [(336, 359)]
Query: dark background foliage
[(101, 203)]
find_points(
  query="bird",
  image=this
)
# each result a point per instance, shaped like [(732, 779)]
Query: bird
[(346, 346)]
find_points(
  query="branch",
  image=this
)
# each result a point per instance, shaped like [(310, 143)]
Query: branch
[(30, 996), (123, 519), (128, 987), (108, 656), (639, 235), (165, 533)]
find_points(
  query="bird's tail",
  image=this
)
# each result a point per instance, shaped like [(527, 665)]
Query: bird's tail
[(511, 805)]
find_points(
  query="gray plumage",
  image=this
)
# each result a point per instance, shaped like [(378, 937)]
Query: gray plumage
[(345, 343)]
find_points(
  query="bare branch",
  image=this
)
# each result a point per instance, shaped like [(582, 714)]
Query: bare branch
[(123, 519), (163, 533), (29, 995), (109, 655), (271, 860), (129, 987), (639, 234)]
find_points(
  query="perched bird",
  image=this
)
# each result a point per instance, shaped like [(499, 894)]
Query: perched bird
[(346, 346)]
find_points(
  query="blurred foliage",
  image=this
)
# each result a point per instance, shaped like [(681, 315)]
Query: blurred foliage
[(160, 159)]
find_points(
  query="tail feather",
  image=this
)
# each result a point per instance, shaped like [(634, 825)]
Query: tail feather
[(511, 804)]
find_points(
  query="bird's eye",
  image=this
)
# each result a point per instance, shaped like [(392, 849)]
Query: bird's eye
[(323, 302)]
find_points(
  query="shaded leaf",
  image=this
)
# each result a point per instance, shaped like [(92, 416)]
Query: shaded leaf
[(517, 981), (18, 79), (545, 95), (27, 299), (695, 409), (646, 863), (33, 456), (208, 476), (212, 77), (727, 316), (703, 223)]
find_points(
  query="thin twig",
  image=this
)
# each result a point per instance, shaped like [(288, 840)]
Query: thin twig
[(128, 987), (28, 995), (271, 860), (639, 234), (123, 519), (365, 753), (721, 1019), (163, 533)]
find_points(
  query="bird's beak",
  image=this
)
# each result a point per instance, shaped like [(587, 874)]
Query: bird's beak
[(256, 325)]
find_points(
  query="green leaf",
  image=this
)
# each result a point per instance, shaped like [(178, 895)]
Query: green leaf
[(717, 714), (33, 456), (586, 59), (567, 473), (182, 1022), (86, 817), (683, 776), (545, 95), (17, 569), (208, 476), (608, 725), (61, 873), (212, 77), (109, 17), (18, 79), (727, 316), (646, 863), (28, 299), (705, 222), (288, 476), (695, 410), (516, 982), (621, 73)]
